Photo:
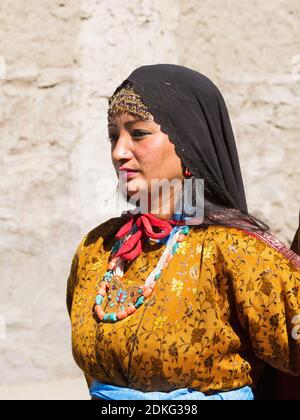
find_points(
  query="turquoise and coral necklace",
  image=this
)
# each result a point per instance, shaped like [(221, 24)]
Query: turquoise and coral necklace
[(125, 301)]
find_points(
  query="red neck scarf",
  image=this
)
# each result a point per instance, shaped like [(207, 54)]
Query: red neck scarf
[(145, 223)]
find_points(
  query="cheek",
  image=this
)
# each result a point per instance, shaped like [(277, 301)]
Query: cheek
[(158, 155), (170, 162), (150, 155), (172, 157)]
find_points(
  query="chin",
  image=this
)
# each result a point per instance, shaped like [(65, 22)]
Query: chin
[(134, 186)]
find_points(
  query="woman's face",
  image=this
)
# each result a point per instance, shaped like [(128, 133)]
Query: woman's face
[(142, 146)]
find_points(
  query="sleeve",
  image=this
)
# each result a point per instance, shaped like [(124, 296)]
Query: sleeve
[(266, 287), (72, 279), (71, 282), (89, 380)]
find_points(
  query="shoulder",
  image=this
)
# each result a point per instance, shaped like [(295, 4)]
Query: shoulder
[(227, 237), (104, 230), (239, 242), (223, 236), (102, 233)]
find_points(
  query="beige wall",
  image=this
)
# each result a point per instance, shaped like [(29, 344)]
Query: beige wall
[(63, 59)]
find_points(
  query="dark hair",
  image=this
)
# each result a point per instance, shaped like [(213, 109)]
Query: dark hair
[(217, 212)]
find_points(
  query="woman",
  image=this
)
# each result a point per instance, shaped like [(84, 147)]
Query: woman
[(169, 304)]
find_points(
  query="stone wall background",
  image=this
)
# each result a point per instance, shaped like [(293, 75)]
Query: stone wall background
[(63, 59)]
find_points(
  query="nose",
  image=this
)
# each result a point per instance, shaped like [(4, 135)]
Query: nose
[(121, 149)]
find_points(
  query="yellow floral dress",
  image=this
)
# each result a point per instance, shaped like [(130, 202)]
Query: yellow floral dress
[(226, 303)]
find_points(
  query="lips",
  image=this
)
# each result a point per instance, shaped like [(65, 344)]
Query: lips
[(128, 173), (123, 169)]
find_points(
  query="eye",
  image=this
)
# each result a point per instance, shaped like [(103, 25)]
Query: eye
[(136, 133), (111, 138), (140, 133)]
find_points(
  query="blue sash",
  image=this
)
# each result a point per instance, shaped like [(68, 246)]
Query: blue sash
[(110, 392)]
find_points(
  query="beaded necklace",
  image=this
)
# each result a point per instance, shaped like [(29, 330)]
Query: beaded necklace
[(129, 299)]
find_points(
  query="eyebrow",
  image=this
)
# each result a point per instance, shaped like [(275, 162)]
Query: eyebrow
[(130, 123)]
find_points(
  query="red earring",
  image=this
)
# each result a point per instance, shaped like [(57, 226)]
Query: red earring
[(187, 172)]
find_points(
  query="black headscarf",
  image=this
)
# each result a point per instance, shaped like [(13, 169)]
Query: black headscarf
[(191, 110)]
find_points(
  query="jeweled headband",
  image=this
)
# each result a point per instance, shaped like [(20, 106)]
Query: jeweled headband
[(127, 100)]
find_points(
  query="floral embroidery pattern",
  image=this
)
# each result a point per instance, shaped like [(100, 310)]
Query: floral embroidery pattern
[(207, 252), (194, 272), (182, 248), (178, 325), (177, 286), (159, 323), (223, 292), (97, 265), (199, 249)]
